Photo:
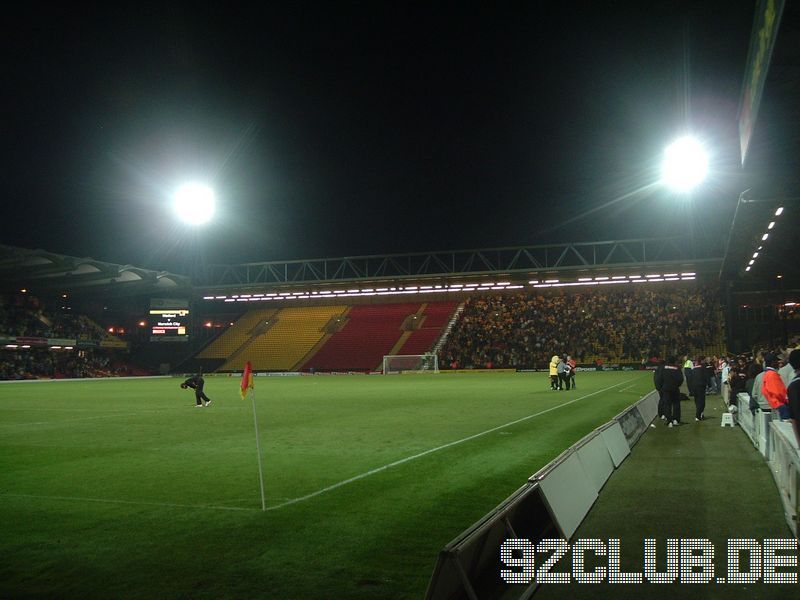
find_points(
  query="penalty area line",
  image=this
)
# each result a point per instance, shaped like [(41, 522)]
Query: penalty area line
[(432, 450)]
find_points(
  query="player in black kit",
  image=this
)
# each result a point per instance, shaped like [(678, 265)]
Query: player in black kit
[(196, 382)]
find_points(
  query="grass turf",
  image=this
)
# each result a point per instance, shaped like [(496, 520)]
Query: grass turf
[(695, 481), (123, 489)]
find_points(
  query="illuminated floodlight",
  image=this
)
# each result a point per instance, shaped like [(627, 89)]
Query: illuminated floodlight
[(771, 225), (779, 211), (747, 269), (685, 164), (764, 237), (194, 203)]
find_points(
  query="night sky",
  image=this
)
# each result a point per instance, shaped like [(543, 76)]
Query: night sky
[(332, 129)]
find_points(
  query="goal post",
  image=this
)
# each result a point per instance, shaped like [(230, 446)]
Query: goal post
[(410, 363)]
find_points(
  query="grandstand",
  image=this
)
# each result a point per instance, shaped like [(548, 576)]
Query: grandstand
[(501, 328), (327, 337), (434, 317), (119, 488), (233, 340), (286, 338), (371, 331)]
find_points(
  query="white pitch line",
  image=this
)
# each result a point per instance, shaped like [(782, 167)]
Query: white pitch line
[(432, 450), (132, 502), (108, 415)]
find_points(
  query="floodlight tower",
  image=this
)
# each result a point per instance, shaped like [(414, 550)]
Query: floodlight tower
[(684, 167), (685, 164), (194, 203)]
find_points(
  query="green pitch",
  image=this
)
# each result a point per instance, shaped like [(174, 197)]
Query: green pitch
[(124, 489)]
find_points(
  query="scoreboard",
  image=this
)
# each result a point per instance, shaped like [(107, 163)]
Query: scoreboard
[(169, 320)]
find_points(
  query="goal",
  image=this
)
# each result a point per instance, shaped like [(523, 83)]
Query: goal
[(410, 363)]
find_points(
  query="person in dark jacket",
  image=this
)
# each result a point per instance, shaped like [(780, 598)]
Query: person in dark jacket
[(671, 388), (567, 374), (196, 382), (658, 382), (699, 382)]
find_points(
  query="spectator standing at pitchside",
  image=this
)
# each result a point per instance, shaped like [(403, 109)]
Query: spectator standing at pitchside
[(773, 388), (658, 383), (793, 393), (572, 366), (787, 371), (725, 384), (671, 388), (688, 365), (710, 365), (699, 382), (562, 377), (567, 373)]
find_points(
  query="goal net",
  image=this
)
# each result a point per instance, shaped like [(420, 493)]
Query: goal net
[(410, 363)]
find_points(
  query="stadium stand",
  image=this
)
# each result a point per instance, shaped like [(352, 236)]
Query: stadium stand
[(41, 343), (27, 315), (371, 332), (293, 333), (227, 344), (435, 317), (630, 325)]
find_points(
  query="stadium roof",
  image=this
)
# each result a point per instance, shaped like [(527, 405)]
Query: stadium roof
[(769, 257), (770, 167), (43, 271), (520, 262)]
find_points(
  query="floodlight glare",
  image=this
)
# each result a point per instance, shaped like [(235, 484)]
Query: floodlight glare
[(194, 203), (685, 164)]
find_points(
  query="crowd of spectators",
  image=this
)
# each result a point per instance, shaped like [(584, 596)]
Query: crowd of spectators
[(25, 316), (524, 330), (43, 363), (765, 379), (746, 371)]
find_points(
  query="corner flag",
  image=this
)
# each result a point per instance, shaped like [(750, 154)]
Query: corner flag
[(247, 379)]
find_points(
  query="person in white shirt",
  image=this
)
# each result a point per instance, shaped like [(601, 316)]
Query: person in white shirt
[(726, 386), (787, 371)]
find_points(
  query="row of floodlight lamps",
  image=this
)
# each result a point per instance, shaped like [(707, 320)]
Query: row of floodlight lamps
[(764, 238), (457, 287), (26, 346)]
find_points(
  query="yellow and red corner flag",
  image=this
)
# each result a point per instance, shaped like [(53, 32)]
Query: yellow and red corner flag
[(247, 379)]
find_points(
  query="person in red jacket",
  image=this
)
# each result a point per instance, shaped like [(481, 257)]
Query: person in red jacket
[(773, 388)]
